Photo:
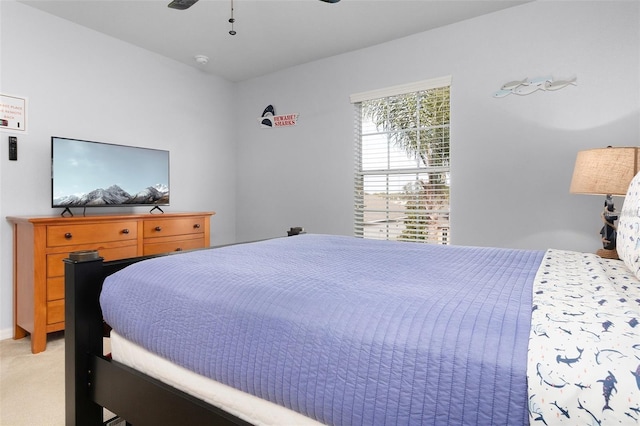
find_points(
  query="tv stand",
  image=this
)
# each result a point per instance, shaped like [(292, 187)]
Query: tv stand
[(65, 211), (156, 208), (41, 243)]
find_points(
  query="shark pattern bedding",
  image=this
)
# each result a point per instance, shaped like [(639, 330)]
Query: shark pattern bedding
[(584, 348)]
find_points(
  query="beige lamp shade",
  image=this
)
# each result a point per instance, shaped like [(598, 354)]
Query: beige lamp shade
[(605, 170)]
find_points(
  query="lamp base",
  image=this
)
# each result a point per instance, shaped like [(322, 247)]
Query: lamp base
[(608, 254)]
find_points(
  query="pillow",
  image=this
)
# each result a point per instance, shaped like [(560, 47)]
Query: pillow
[(628, 238)]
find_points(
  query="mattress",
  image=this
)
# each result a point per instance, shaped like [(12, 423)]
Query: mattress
[(342, 330), (254, 410)]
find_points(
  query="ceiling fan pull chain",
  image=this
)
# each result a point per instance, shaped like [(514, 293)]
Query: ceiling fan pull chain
[(232, 20)]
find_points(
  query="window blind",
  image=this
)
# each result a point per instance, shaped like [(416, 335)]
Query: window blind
[(402, 173)]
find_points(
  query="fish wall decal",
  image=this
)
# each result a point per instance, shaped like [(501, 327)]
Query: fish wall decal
[(513, 84), (559, 84), (526, 86)]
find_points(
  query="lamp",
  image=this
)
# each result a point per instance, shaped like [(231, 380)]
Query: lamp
[(606, 171)]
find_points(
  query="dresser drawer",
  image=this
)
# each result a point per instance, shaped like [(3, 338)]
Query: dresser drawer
[(170, 245), (55, 264), (55, 288), (55, 311), (169, 227), (65, 235)]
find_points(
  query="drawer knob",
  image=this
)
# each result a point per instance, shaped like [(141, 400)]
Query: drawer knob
[(179, 249), (125, 231), (68, 235), (158, 228), (196, 226)]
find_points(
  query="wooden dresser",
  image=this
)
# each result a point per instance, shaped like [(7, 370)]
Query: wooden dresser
[(40, 244)]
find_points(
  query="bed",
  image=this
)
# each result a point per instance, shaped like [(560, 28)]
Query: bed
[(321, 329)]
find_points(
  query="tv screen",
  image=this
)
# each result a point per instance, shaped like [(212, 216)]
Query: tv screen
[(96, 174)]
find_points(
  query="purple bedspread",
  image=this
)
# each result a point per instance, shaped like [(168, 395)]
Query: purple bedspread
[(343, 330)]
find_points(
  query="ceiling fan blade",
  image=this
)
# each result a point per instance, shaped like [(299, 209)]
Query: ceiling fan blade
[(182, 4), (330, 1)]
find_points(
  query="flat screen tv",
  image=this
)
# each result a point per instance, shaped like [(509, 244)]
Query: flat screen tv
[(96, 174)]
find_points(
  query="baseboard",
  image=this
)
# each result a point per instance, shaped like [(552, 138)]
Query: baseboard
[(6, 333)]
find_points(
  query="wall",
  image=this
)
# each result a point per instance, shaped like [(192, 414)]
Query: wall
[(512, 158), (85, 85)]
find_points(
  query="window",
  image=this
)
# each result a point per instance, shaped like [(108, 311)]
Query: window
[(402, 176)]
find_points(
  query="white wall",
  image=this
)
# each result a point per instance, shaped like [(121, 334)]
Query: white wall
[(512, 158), (82, 84)]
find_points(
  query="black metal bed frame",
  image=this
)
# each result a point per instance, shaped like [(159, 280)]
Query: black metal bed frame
[(94, 382)]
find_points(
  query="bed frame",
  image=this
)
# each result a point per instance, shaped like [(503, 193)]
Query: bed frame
[(94, 381)]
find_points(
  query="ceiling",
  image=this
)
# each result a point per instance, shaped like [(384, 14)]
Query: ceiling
[(271, 35)]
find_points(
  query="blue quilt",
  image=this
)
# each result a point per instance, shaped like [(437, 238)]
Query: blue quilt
[(343, 330)]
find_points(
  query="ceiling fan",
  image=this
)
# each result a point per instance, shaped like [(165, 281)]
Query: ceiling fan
[(186, 4)]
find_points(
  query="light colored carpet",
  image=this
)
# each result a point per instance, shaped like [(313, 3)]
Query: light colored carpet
[(32, 386)]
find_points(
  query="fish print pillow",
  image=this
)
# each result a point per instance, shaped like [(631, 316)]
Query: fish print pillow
[(628, 238)]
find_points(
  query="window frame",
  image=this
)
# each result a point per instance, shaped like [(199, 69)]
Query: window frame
[(414, 227)]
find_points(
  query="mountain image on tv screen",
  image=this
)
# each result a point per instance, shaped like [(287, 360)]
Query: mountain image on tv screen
[(87, 174)]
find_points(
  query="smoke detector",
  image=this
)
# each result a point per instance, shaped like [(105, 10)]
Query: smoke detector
[(201, 59)]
